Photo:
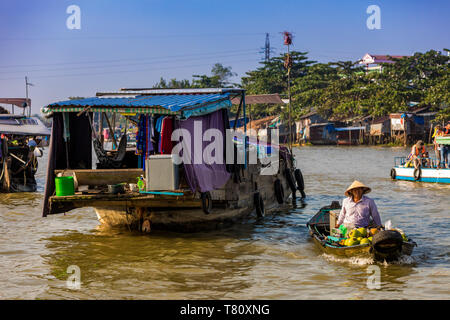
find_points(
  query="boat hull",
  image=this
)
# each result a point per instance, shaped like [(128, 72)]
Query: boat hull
[(186, 221), (364, 251), (225, 210), (428, 175)]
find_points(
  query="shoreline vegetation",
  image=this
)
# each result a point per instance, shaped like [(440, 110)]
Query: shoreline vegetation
[(393, 103), (342, 90)]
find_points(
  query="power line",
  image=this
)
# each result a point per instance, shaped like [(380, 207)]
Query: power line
[(124, 71), (137, 63), (122, 60), (128, 37)]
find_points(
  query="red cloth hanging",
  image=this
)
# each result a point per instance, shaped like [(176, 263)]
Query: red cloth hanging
[(166, 136)]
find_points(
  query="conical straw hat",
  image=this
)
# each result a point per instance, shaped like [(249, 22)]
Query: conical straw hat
[(357, 184)]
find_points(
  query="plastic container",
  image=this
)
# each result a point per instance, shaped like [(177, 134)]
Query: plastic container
[(116, 188), (336, 233), (343, 230), (64, 186)]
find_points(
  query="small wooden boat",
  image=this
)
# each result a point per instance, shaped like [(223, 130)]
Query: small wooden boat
[(387, 245), (401, 171)]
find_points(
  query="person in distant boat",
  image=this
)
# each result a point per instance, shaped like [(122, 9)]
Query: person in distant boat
[(357, 209), (33, 154), (445, 148), (437, 147), (418, 154)]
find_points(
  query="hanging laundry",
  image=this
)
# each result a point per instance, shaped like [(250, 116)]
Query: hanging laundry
[(166, 135), (140, 136), (159, 129), (159, 123), (155, 135), (144, 145), (149, 136)]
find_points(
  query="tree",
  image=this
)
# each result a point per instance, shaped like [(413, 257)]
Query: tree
[(172, 84), (219, 79), (271, 77)]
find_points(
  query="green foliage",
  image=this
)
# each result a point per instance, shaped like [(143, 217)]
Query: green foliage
[(272, 77), (219, 78), (172, 84), (340, 89)]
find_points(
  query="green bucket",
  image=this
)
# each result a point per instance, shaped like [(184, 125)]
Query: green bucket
[(64, 186)]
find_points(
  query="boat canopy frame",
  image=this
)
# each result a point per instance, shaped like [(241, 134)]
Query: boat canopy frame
[(181, 103)]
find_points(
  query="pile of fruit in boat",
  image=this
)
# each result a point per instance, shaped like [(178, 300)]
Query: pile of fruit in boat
[(361, 236)]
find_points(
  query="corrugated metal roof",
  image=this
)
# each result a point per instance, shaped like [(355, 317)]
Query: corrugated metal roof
[(183, 104), (260, 99), (153, 91), (15, 101)]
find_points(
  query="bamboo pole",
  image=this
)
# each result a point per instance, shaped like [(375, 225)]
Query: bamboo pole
[(238, 113), (100, 128), (429, 135), (114, 126)]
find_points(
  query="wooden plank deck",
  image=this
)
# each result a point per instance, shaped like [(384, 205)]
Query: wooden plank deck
[(99, 177), (129, 200)]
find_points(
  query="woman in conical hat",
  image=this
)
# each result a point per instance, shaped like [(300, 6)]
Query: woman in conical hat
[(358, 210)]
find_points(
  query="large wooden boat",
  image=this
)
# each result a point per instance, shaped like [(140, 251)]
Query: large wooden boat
[(21, 137), (185, 197)]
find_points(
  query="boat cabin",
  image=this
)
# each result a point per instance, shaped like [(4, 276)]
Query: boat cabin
[(78, 147)]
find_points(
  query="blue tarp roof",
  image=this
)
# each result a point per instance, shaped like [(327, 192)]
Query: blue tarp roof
[(185, 105), (240, 122), (350, 128)]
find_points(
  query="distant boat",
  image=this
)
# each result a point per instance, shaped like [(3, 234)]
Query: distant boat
[(21, 137), (422, 174)]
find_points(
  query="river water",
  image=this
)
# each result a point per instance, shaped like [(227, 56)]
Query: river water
[(273, 258)]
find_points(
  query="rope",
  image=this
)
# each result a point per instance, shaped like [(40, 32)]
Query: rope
[(126, 215), (3, 170)]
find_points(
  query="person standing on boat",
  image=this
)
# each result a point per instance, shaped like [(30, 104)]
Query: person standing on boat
[(357, 209), (418, 153), (437, 147), (445, 148)]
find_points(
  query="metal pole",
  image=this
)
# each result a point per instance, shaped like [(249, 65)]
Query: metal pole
[(26, 91), (245, 131)]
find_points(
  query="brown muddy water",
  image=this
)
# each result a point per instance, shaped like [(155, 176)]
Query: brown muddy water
[(272, 258)]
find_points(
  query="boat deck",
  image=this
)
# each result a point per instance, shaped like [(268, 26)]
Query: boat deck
[(130, 199)]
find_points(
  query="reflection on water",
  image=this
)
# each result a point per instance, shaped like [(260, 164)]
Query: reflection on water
[(270, 258)]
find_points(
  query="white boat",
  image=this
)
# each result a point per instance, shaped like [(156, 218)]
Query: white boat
[(421, 174), (18, 158)]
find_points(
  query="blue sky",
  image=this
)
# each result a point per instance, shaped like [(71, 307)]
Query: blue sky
[(134, 43)]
